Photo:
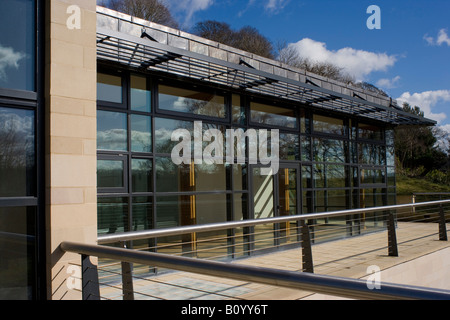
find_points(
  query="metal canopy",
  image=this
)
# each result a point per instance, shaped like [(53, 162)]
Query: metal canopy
[(144, 54)]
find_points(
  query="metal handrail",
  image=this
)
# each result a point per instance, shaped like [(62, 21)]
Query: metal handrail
[(330, 285), (154, 233)]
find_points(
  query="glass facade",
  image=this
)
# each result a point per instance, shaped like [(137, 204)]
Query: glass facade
[(18, 44), (327, 162), (20, 153)]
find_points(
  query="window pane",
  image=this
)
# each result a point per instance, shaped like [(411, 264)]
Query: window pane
[(240, 177), (163, 132), (141, 175), (328, 125), (271, 115), (319, 176), (306, 177), (391, 176), (328, 150), (141, 138), (336, 176), (109, 88), (110, 174), (191, 209), (18, 44), (171, 177), (390, 156), (167, 212), (372, 154), (140, 96), (263, 194), (111, 131), (142, 213), (307, 202), (330, 176), (17, 155), (289, 147), (390, 137), (112, 215), (371, 132), (210, 208), (238, 112), (287, 193), (210, 177), (306, 148), (17, 252), (189, 101), (372, 176)]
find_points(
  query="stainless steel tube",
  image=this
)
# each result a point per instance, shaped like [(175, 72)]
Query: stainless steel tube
[(154, 233), (343, 287)]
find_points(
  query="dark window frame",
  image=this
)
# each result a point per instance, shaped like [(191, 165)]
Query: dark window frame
[(34, 100)]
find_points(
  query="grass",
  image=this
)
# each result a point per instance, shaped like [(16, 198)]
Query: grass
[(408, 186)]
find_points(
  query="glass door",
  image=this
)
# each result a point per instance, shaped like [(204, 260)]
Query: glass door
[(287, 204), (263, 190), (273, 196)]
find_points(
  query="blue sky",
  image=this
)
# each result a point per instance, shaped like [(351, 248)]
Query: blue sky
[(409, 57)]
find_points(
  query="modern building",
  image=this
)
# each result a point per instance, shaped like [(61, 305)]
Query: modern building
[(89, 99)]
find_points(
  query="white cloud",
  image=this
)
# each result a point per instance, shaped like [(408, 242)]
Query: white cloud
[(358, 63), (275, 6), (426, 101), (388, 83), (189, 7), (442, 38), (428, 39), (9, 58), (445, 127)]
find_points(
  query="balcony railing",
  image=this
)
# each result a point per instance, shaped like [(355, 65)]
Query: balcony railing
[(305, 230)]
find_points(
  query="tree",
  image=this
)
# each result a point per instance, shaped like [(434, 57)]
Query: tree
[(247, 38), (214, 30), (150, 10), (290, 56), (416, 146)]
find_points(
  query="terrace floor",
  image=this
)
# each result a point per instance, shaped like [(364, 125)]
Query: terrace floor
[(348, 257)]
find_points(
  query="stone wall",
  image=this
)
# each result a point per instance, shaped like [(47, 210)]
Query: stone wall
[(70, 138)]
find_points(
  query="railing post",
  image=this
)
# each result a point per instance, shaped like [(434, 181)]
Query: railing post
[(307, 259), (392, 236), (89, 278), (127, 279), (442, 225)]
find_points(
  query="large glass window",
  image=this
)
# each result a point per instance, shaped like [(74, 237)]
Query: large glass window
[(135, 144), (370, 132), (109, 88), (163, 133), (18, 44), (329, 150), (141, 137), (272, 115), (112, 131), (17, 252), (112, 215), (17, 153), (372, 154), (329, 125), (289, 148), (140, 95), (238, 114), (142, 173), (20, 158), (191, 101), (110, 174)]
